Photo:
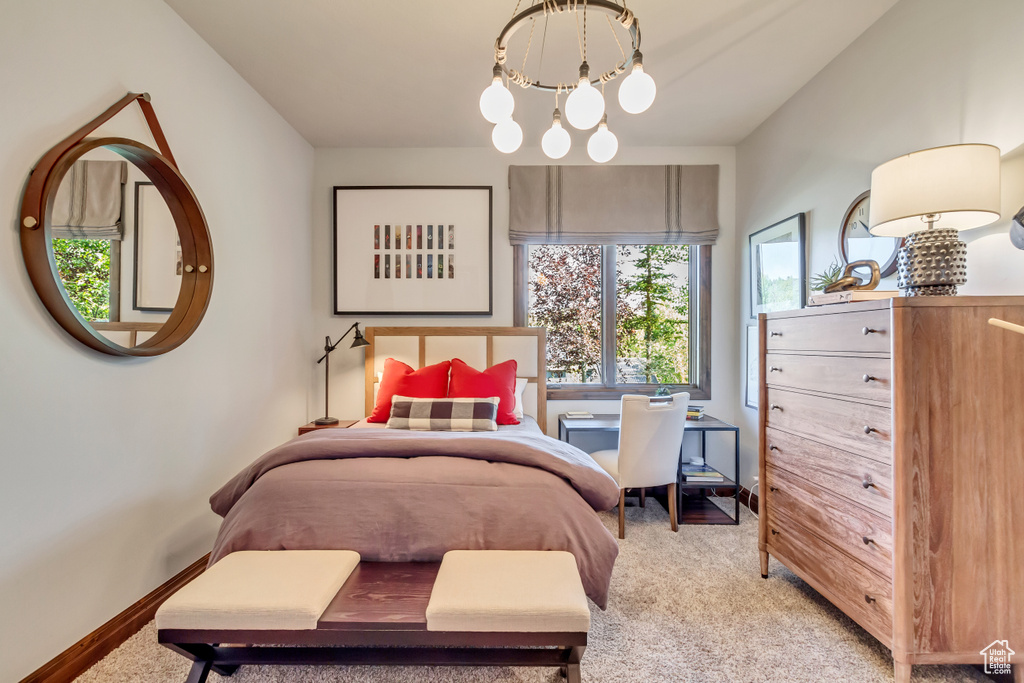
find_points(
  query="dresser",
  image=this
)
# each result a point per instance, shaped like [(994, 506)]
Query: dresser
[(892, 468)]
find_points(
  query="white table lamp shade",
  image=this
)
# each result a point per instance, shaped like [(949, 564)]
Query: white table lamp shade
[(960, 183)]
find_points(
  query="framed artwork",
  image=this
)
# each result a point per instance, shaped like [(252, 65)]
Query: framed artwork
[(753, 367), (412, 250), (157, 269), (777, 267)]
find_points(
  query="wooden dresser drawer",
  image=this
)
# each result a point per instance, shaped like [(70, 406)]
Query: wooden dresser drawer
[(856, 331), (858, 377), (863, 595), (865, 482), (855, 427), (863, 535)]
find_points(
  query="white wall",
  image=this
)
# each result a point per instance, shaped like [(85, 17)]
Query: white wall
[(928, 73), (107, 463), (486, 166)]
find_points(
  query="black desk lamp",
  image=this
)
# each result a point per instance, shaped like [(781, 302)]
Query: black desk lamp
[(328, 347)]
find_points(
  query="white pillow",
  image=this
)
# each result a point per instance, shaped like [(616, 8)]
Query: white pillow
[(520, 386)]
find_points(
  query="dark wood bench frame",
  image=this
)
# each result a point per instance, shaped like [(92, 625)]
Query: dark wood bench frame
[(378, 617)]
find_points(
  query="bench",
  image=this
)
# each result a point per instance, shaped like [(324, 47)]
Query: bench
[(474, 608)]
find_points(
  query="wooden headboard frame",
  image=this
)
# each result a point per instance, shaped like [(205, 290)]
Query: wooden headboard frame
[(488, 336)]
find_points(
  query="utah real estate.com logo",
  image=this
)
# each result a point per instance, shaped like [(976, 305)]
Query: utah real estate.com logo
[(997, 657)]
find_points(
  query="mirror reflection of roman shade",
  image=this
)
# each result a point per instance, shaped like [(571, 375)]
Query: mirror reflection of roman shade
[(613, 204), (89, 200)]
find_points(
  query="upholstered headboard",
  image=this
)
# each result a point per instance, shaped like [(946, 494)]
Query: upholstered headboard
[(480, 347)]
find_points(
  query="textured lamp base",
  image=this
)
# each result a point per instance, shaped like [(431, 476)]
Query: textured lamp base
[(326, 421), (932, 263)]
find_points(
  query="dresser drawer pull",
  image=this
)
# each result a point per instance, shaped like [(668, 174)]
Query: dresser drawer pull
[(868, 541), (868, 599), (775, 334), (869, 378), (867, 483), (774, 369), (773, 489), (776, 406), (868, 330), (868, 430), (774, 532), (772, 447)]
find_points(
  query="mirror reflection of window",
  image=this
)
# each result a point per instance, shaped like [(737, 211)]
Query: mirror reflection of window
[(87, 229), (862, 245)]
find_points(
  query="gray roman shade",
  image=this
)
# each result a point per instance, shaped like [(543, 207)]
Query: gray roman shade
[(89, 200), (613, 204)]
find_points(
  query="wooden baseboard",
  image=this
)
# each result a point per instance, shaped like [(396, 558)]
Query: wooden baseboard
[(71, 663), (747, 498)]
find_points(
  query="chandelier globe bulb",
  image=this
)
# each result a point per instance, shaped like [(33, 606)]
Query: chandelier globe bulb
[(507, 136), (496, 102), (603, 144), (637, 92), (585, 105), (556, 141)]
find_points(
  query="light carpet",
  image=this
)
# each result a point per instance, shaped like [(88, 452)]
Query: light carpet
[(686, 606)]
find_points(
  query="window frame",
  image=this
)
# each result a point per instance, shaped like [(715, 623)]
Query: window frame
[(700, 328)]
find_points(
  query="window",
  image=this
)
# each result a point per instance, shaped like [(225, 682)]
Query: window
[(619, 318)]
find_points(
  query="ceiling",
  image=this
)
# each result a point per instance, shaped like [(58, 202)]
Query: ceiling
[(409, 73)]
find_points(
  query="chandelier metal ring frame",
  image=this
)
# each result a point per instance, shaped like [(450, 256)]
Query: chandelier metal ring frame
[(618, 12), (584, 105)]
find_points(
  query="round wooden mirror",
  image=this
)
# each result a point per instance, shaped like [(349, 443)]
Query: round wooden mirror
[(55, 259)]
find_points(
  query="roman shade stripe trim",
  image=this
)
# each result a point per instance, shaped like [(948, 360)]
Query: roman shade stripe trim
[(89, 200), (613, 204)]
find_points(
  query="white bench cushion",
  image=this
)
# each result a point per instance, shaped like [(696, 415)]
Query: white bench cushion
[(508, 591), (260, 590)]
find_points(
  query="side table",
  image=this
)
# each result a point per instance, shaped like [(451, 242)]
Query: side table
[(311, 427)]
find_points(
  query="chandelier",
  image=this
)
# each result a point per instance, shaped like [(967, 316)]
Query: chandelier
[(584, 106)]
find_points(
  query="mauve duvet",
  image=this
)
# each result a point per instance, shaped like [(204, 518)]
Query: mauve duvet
[(398, 496)]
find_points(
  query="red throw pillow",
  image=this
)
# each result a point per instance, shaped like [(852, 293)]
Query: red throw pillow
[(428, 382), (498, 380)]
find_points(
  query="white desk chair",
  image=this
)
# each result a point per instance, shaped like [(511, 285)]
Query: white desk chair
[(650, 437)]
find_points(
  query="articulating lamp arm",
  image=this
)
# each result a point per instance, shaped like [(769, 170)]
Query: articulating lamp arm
[(328, 347)]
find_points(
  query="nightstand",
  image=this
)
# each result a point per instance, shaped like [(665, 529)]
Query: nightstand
[(311, 427)]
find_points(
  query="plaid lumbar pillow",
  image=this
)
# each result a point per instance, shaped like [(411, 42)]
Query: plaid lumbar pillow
[(444, 414)]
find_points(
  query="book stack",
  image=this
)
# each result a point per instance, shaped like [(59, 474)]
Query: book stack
[(695, 413), (701, 473)]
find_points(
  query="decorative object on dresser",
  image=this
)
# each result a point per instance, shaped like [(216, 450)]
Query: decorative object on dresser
[(849, 281), (927, 196), (412, 250), (891, 459), (39, 241), (584, 107), (358, 341), (777, 266), (856, 243), (650, 439)]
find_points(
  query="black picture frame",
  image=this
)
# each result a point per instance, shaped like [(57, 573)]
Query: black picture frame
[(137, 303), (790, 263), (362, 250)]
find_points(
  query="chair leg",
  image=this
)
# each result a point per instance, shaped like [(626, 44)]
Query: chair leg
[(672, 506), (622, 513), (643, 498)]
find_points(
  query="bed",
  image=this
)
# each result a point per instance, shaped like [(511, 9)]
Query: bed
[(400, 496)]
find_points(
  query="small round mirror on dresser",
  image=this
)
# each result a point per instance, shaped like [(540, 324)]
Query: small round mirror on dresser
[(115, 242), (857, 244)]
